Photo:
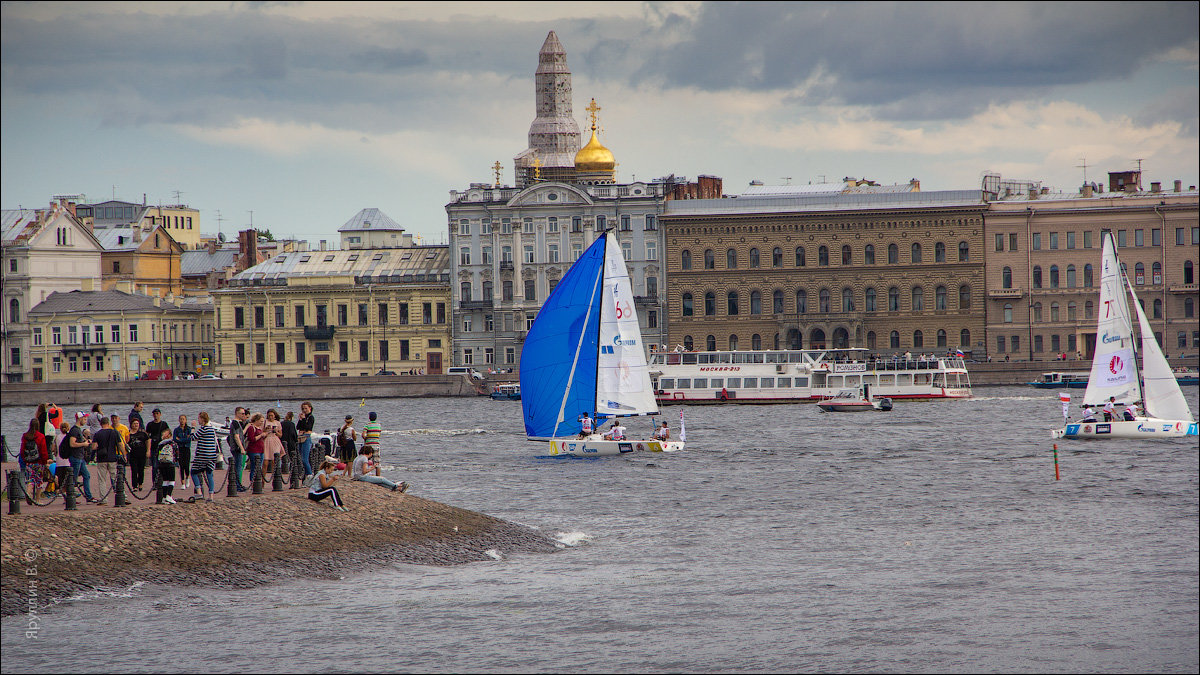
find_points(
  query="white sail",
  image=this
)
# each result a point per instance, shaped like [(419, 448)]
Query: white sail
[(1114, 372), (1160, 390), (622, 378)]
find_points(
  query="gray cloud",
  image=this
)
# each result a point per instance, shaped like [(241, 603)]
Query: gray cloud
[(1181, 105)]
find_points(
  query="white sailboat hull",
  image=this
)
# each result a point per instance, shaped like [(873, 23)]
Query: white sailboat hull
[(1143, 427), (595, 446)]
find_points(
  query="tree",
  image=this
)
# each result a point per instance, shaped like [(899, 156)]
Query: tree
[(264, 234)]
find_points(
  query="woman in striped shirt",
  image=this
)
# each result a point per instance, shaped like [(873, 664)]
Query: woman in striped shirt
[(205, 456)]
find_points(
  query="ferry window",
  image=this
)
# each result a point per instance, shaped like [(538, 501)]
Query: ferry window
[(710, 343), (800, 259), (783, 382), (964, 252), (755, 302), (939, 252), (733, 382), (964, 297), (801, 382), (893, 254), (894, 339), (685, 259), (666, 383), (823, 256), (731, 259), (916, 253), (683, 383), (776, 257), (777, 301), (767, 383), (716, 383), (710, 304), (710, 260), (870, 300), (846, 257), (700, 383), (688, 308), (750, 382)]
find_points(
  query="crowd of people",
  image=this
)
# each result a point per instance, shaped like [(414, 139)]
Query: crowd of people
[(97, 448)]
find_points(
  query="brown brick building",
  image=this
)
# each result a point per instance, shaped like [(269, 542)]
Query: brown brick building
[(886, 268)]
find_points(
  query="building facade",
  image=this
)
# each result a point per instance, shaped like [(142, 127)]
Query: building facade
[(45, 251), (1043, 256), (142, 260), (884, 268), (180, 220), (103, 335), (337, 313)]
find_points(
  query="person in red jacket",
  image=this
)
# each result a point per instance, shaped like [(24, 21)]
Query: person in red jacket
[(35, 458)]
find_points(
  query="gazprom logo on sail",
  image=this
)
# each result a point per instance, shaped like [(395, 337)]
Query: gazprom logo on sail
[(624, 342), (1109, 339)]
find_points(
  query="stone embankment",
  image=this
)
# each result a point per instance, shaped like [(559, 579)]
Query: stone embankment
[(241, 543)]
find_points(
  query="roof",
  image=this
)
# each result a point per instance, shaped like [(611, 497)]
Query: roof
[(370, 219), (416, 264), (91, 302), (19, 223), (841, 201), (201, 262), (117, 238)]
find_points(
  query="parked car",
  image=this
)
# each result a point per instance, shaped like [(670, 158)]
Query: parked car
[(385, 372), (463, 370), (209, 376), (308, 374)]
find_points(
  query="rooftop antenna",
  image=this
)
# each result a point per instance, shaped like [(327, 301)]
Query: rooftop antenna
[(822, 178), (1083, 166), (789, 180), (178, 196), (1139, 160), (219, 221), (251, 219)]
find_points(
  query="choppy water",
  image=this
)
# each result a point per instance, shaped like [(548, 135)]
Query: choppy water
[(930, 538)]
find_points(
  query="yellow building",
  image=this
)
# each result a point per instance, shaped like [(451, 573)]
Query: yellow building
[(141, 260), (107, 335), (182, 221), (337, 313)]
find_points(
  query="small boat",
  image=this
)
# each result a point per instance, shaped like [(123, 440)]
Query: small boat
[(506, 392), (1058, 380), (1116, 375), (584, 355), (855, 400)]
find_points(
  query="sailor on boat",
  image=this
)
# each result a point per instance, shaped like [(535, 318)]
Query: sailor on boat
[(663, 433), (585, 425), (1089, 414), (1131, 412), (1110, 409)]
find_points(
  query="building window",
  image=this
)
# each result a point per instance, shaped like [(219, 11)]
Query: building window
[(651, 250), (625, 224), (343, 351), (1070, 240), (239, 317), (893, 254), (528, 249), (133, 332), (464, 227), (1054, 276), (485, 226), (464, 255), (754, 257), (916, 253), (939, 252), (1008, 313), (823, 256), (1037, 276), (651, 222), (710, 304), (601, 223), (552, 253), (1070, 276), (1122, 238), (1036, 311), (801, 301), (686, 304), (14, 311), (652, 286), (1087, 238), (847, 300), (941, 338), (731, 303), (800, 257), (343, 315), (552, 224), (1012, 242), (280, 353), (755, 302), (939, 298), (487, 255), (869, 254), (964, 252), (918, 299), (999, 242), (894, 339), (870, 300), (1000, 344), (239, 354), (710, 343), (777, 301), (531, 290), (510, 356), (918, 338), (731, 259), (1156, 273), (823, 301), (1037, 241), (710, 260), (776, 257), (300, 355), (576, 223), (846, 257), (893, 299), (364, 350), (964, 297), (685, 259), (37, 337), (652, 319)]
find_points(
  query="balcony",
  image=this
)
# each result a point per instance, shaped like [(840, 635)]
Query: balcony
[(475, 304), (1184, 288), (318, 332), (1005, 293), (506, 265), (645, 300), (78, 348)]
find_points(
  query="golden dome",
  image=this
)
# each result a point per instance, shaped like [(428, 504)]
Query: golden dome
[(594, 157)]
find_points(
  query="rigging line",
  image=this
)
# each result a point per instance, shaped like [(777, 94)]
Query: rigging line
[(579, 347)]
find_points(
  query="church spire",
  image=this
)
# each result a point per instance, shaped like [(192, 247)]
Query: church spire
[(553, 135)]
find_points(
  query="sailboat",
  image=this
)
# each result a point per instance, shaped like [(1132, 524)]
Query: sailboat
[(584, 355), (1115, 373)]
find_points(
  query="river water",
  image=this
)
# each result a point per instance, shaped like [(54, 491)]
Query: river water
[(930, 538)]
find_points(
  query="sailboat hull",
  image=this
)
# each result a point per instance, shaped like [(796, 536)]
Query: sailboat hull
[(1147, 427), (589, 447)]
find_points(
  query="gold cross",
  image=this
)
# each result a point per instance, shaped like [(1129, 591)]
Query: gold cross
[(537, 168), (592, 110), (496, 170)]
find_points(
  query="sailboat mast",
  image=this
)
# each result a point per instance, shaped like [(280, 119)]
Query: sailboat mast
[(599, 323), (1137, 357)]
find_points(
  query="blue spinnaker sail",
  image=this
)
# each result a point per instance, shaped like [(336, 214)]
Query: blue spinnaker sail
[(558, 359)]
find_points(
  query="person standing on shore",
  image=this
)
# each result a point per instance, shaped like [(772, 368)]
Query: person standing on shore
[(205, 436), (304, 430), (36, 457), (120, 428), (67, 453), (155, 429), (79, 447), (108, 446), (139, 452), (291, 444), (136, 413), (346, 438), (183, 444), (256, 440), (372, 432), (322, 486), (93, 419), (273, 443), (237, 445), (168, 459)]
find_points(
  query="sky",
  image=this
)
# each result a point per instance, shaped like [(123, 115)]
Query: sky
[(296, 115)]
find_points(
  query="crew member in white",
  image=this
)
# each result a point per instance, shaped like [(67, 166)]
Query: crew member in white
[(1089, 414), (585, 425), (1109, 408), (663, 433), (1131, 412)]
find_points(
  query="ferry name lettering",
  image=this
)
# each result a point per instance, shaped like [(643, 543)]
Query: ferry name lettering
[(705, 369)]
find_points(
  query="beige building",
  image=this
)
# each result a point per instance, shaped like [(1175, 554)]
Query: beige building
[(180, 220), (45, 251), (1043, 256), (337, 313), (885, 268), (106, 335), (141, 260)]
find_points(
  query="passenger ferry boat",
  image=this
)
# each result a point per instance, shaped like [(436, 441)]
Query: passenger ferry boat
[(797, 376)]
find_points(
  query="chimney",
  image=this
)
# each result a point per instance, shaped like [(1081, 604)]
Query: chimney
[(1033, 193), (1155, 186), (212, 246), (1045, 190), (1179, 186), (1086, 190), (88, 284), (915, 184), (324, 245)]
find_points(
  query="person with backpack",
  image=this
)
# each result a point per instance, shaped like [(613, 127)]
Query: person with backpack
[(139, 453), (346, 438), (35, 458), (72, 449), (168, 459)]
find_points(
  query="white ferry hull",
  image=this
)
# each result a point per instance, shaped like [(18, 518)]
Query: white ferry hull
[(594, 447), (1146, 427)]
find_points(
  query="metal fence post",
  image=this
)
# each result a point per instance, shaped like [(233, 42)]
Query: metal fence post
[(14, 488), (277, 474), (68, 488), (119, 488)]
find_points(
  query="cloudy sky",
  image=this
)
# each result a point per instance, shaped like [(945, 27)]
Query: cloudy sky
[(305, 113)]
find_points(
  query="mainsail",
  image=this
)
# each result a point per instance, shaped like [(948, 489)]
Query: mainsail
[(584, 353), (1114, 371), (1162, 397)]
